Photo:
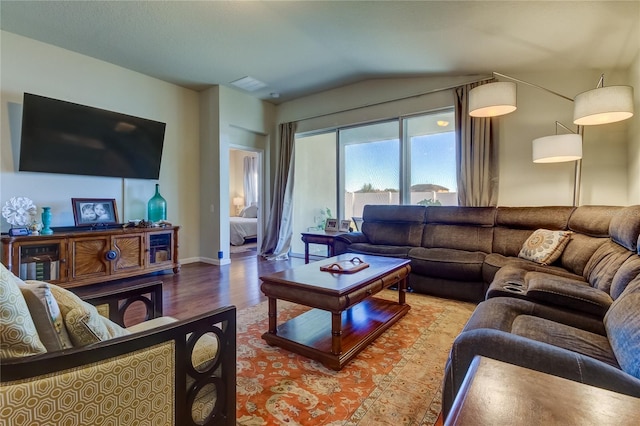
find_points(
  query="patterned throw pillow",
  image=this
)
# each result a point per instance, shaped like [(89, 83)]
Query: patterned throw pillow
[(545, 246), (46, 315), (18, 335), (84, 324)]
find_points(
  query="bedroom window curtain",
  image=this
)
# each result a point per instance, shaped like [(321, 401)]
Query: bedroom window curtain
[(250, 181), (476, 154), (277, 241)]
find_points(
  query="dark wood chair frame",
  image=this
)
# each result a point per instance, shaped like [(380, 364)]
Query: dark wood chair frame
[(221, 373)]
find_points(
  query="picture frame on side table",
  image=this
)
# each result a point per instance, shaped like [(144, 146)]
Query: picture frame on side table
[(331, 225), (344, 225), (94, 211)]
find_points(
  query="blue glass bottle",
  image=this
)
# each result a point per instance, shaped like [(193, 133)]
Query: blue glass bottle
[(157, 207)]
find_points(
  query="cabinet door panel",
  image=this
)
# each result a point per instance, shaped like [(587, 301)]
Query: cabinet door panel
[(130, 249), (88, 257)]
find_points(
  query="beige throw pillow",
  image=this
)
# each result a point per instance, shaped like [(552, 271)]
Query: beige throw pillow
[(46, 315), (545, 246), (84, 324), (18, 334)]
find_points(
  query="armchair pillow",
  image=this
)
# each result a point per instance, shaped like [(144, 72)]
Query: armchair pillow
[(84, 324), (544, 246), (18, 334), (46, 315)]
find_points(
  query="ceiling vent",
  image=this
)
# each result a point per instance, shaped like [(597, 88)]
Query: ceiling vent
[(249, 84)]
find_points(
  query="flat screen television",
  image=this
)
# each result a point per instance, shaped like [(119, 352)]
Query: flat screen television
[(64, 137)]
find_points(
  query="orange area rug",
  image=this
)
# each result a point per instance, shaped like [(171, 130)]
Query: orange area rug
[(395, 381)]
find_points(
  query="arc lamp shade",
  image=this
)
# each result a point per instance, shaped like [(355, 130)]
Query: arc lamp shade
[(493, 99), (603, 105), (557, 148)]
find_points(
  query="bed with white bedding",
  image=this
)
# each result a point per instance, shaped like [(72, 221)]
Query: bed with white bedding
[(243, 228)]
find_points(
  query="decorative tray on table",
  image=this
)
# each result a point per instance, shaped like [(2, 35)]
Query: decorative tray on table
[(346, 266)]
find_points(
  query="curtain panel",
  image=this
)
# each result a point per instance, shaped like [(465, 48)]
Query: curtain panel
[(476, 153), (277, 241)]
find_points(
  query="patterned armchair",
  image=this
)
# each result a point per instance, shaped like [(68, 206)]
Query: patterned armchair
[(159, 372)]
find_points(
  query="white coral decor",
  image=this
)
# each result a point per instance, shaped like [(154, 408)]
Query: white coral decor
[(19, 211)]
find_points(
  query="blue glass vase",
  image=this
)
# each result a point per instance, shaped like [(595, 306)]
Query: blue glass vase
[(46, 221), (157, 207)]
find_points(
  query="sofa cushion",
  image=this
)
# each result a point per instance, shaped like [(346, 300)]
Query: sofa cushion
[(18, 334), (593, 221), (379, 250), (564, 336), (394, 225), (46, 315), (460, 237), (544, 246), (624, 228), (84, 324), (578, 251), (624, 275), (459, 265), (567, 293), (622, 323), (604, 264)]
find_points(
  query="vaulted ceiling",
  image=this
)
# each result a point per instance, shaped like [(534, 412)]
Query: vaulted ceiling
[(301, 47)]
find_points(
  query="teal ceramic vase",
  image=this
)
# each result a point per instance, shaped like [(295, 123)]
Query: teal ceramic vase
[(157, 207), (46, 221)]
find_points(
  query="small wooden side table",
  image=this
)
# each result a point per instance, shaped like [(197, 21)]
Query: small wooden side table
[(319, 237), (497, 393)]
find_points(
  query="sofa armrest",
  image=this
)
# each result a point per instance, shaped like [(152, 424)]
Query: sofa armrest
[(530, 354), (342, 242), (567, 293), (151, 370)]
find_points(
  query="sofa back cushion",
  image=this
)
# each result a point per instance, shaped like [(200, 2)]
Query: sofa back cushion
[(461, 228), (625, 227), (590, 225), (604, 264), (593, 220), (624, 275), (622, 323), (18, 334), (515, 224), (393, 225)]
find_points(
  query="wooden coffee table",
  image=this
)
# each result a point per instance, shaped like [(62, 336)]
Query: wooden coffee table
[(346, 317)]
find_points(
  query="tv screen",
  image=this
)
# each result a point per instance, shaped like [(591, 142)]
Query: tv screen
[(64, 137)]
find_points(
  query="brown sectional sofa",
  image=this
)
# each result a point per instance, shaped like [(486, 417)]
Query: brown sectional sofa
[(456, 252), (576, 318)]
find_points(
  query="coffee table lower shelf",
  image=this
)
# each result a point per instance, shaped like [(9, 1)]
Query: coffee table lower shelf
[(309, 334)]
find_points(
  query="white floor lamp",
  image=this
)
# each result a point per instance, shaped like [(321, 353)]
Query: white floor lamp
[(601, 105)]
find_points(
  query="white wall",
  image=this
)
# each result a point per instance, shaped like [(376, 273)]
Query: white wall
[(35, 67), (223, 113), (522, 183)]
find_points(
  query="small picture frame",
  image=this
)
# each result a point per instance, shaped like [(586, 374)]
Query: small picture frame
[(344, 225), (331, 225), (94, 211)]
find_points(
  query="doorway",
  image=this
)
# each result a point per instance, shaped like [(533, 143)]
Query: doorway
[(245, 199)]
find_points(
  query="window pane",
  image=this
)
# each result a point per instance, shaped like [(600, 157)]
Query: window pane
[(315, 186), (371, 166), (433, 159)]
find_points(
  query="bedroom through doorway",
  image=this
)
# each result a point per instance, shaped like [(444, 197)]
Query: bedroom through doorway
[(245, 200)]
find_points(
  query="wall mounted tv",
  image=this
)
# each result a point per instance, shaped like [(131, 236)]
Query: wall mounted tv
[(64, 137)]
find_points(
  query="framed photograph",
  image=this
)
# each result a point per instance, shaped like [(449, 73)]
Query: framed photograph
[(331, 225), (94, 211), (344, 225)]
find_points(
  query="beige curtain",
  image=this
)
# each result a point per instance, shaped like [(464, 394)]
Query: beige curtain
[(476, 154), (277, 239)]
